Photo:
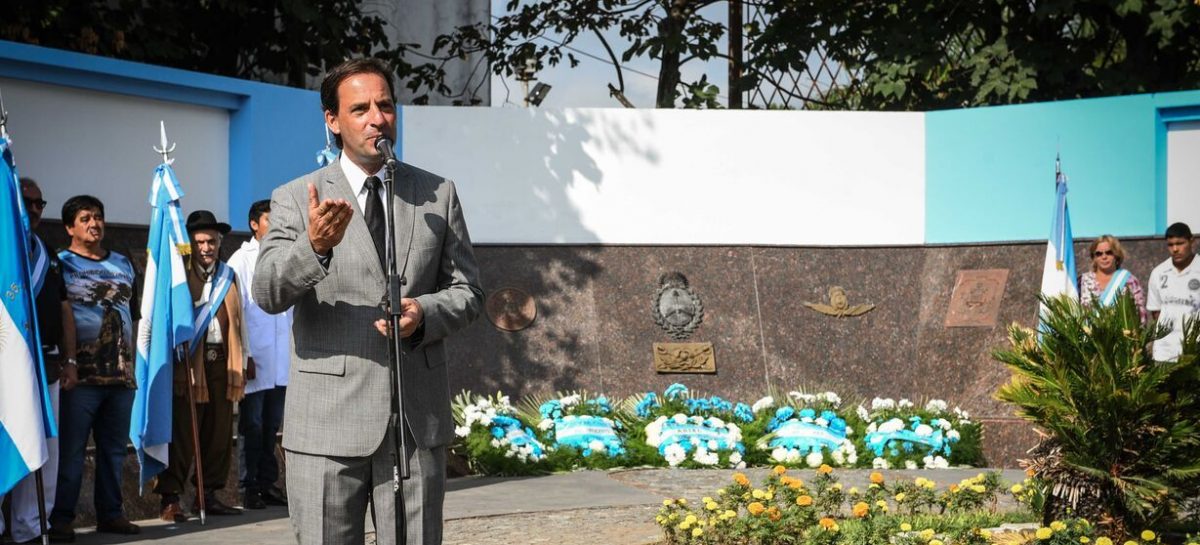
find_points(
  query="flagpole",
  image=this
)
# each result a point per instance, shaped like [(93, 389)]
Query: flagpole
[(166, 150), (41, 501)]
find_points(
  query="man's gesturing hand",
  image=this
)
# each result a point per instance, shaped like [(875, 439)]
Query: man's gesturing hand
[(327, 221)]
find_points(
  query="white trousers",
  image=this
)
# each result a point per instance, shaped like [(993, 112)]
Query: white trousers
[(26, 525)]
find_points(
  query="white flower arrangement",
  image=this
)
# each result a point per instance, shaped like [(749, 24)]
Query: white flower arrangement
[(677, 436), (764, 403)]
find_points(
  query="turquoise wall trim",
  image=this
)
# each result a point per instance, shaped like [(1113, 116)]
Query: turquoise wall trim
[(990, 171), (274, 131)]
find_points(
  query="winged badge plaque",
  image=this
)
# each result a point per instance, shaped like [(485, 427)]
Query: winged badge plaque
[(839, 305)]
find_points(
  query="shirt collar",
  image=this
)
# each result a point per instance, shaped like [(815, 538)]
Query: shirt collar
[(354, 174)]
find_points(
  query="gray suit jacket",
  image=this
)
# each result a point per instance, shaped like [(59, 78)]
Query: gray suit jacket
[(338, 400)]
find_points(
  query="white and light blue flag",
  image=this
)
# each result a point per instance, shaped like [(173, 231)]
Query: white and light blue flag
[(1058, 277), (25, 418), (165, 326)]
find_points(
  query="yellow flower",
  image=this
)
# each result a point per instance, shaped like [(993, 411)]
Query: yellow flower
[(853, 490), (758, 494), (804, 501), (929, 484), (825, 469), (1044, 533), (706, 499), (876, 477), (985, 534), (935, 542), (711, 505), (927, 534), (673, 516), (881, 504), (697, 532), (728, 514), (1103, 541), (1084, 540), (684, 525), (1131, 542), (756, 508), (860, 509), (668, 502), (828, 524), (741, 479), (690, 519), (779, 470), (836, 486), (1058, 526), (900, 497), (977, 488), (681, 501), (1147, 535), (905, 527), (1016, 489)]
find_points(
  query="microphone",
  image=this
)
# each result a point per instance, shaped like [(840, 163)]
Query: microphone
[(386, 148)]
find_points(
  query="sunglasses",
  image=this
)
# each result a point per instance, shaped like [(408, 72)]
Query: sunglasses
[(1102, 252), (35, 203)]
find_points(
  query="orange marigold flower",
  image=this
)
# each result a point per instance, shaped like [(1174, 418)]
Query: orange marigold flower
[(1029, 473), (780, 470), (825, 469), (756, 508), (860, 509), (796, 484), (953, 487), (741, 478), (804, 501), (827, 523), (876, 477), (774, 514)]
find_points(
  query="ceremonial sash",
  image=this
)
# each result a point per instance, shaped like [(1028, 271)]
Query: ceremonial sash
[(221, 281), (41, 264), (1114, 287)]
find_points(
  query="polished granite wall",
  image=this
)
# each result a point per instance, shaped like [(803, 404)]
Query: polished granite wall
[(594, 328)]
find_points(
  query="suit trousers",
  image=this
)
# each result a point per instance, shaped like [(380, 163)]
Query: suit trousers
[(328, 496), (214, 421)]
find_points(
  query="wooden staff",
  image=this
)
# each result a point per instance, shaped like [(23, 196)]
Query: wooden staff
[(191, 397)]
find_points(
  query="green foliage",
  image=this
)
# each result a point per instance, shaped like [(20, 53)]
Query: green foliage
[(921, 55), (279, 42), (1128, 426)]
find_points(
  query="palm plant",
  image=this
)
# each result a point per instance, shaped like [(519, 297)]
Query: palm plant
[(1123, 430)]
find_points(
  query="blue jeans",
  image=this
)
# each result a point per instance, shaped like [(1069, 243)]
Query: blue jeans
[(103, 412), (260, 415)]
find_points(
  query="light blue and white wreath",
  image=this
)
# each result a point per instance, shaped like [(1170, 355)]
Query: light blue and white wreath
[(582, 424)]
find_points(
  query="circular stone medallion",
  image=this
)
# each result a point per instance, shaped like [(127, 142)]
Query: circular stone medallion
[(511, 309)]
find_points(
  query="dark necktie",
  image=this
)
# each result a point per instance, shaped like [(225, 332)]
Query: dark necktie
[(374, 216)]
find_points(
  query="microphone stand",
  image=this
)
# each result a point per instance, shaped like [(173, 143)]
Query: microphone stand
[(400, 469)]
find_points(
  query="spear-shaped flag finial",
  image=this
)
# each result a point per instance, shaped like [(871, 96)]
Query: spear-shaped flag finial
[(3, 117), (164, 148)]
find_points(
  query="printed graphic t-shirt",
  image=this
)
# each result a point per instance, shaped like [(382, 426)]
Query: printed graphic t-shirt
[(1175, 294), (102, 298)]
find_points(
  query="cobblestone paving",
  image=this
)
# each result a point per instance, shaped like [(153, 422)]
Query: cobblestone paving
[(601, 526)]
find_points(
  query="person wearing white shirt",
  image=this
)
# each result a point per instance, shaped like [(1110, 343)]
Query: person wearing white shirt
[(1175, 291), (260, 413)]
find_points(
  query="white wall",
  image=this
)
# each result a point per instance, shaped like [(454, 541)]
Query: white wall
[(1183, 173), (75, 141), (678, 177)]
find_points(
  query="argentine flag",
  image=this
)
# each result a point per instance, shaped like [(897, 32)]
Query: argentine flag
[(165, 326), (1058, 277), (25, 421)]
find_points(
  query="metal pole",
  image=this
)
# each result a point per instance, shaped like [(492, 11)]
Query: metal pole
[(400, 469), (735, 54), (41, 500)]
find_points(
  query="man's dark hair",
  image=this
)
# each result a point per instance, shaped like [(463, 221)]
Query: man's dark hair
[(1179, 230), (77, 204), (27, 181), (259, 208), (352, 67)]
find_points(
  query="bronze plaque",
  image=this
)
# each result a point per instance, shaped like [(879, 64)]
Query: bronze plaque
[(684, 358), (511, 309), (975, 301)]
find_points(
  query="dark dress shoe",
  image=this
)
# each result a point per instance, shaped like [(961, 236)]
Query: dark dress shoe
[(61, 534), (173, 512), (252, 499), (118, 526), (274, 496), (215, 506)]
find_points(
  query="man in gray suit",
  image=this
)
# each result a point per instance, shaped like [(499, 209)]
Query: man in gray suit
[(323, 255)]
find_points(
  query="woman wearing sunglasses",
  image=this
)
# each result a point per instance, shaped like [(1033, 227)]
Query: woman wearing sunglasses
[(1105, 282)]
